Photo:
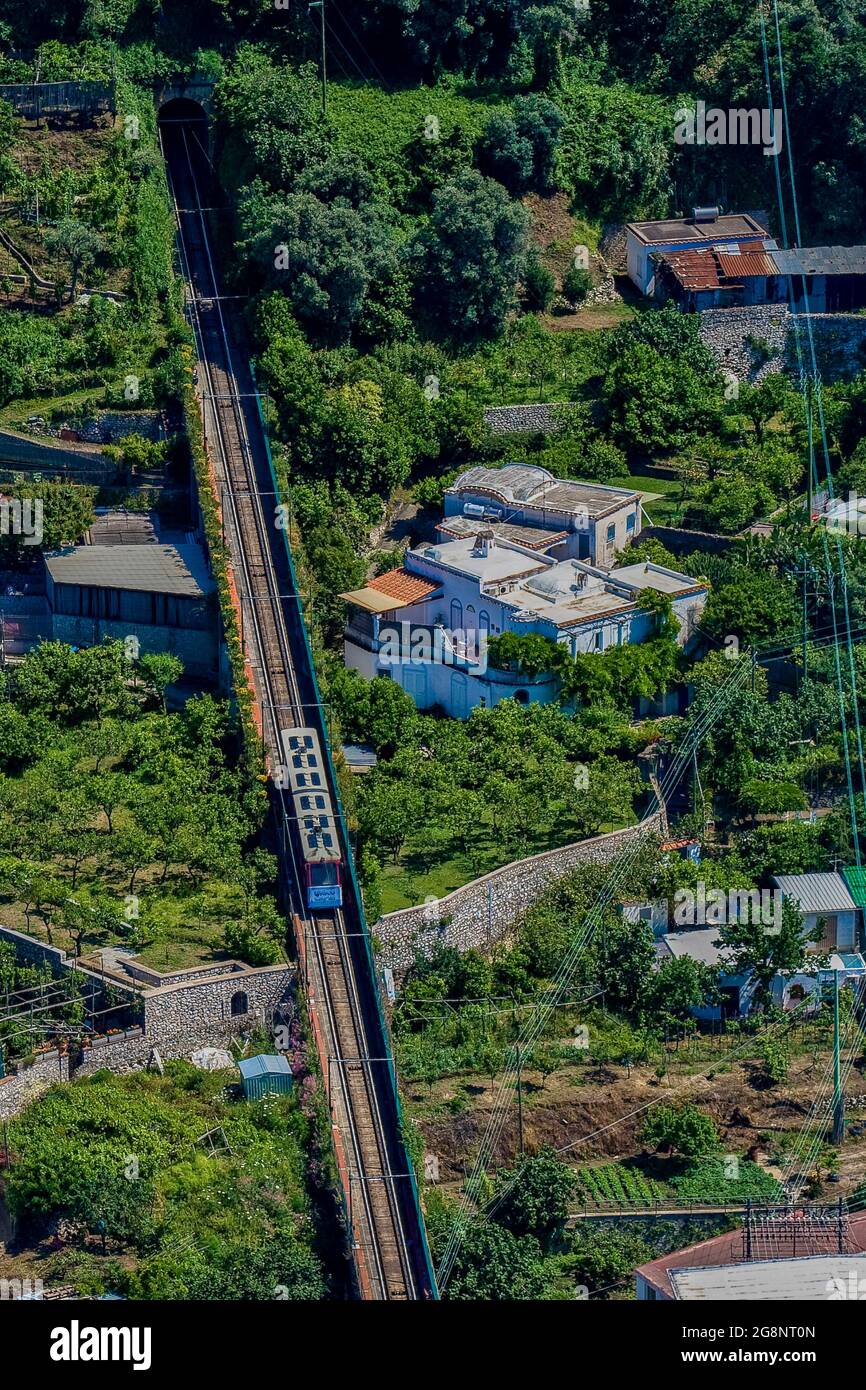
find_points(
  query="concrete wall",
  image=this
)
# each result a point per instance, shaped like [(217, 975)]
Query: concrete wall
[(156, 979), (34, 952), (681, 541), (88, 465), (488, 908), (197, 648)]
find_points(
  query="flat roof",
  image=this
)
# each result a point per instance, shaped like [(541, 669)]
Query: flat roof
[(159, 569), (645, 575), (501, 562), (808, 1277), (822, 260), (727, 227), (696, 944), (536, 487), (584, 609), (533, 537), (817, 892)]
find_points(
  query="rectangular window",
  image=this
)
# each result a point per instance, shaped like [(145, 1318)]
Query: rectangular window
[(611, 531), (629, 522)]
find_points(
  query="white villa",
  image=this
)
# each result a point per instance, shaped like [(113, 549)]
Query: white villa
[(581, 521), (426, 624)]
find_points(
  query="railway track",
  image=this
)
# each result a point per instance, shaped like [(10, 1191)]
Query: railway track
[(380, 1198)]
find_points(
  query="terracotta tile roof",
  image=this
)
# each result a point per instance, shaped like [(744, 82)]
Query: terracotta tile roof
[(404, 587)]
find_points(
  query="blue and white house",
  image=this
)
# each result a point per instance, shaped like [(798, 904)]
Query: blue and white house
[(573, 520), (427, 624)]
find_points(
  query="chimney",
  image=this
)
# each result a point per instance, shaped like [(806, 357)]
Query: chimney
[(484, 542)]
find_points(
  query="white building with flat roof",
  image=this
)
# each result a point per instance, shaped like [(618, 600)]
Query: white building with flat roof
[(705, 228), (586, 521), (427, 624)]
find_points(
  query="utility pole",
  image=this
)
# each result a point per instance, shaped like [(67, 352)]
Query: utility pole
[(520, 1101), (320, 6), (804, 641), (809, 484), (838, 1101)]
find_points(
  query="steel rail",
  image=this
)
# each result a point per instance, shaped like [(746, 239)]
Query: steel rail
[(382, 1223)]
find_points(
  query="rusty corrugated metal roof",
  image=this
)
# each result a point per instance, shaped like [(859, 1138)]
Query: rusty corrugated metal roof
[(715, 268), (746, 264)]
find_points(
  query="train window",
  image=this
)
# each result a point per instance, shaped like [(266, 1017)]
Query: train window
[(325, 875)]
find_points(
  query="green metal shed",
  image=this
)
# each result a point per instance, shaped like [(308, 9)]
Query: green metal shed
[(263, 1074)]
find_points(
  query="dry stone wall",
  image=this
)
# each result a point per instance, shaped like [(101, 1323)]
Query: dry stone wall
[(755, 340), (487, 909), (19, 1090)]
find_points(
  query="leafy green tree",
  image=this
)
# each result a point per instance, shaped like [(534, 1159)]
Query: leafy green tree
[(538, 284), (607, 1254), (160, 670), (763, 949), (761, 797), (388, 813), (533, 1198), (471, 255), (753, 605), (576, 284), (729, 503), (494, 1266), (76, 243), (776, 1058), (683, 1129), (623, 956), (325, 257), (678, 987), (505, 154)]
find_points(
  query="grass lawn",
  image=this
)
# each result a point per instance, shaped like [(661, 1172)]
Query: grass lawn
[(665, 505), (432, 864)]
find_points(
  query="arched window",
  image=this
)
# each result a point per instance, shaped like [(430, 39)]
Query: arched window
[(522, 697), (240, 1004), (456, 615)]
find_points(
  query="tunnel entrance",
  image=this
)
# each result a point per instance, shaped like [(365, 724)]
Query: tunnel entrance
[(182, 109), (185, 136)]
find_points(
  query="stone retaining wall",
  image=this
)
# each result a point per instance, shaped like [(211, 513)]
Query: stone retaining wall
[(754, 340), (206, 1005), (487, 909), (524, 419), (18, 1091), (133, 1054)]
